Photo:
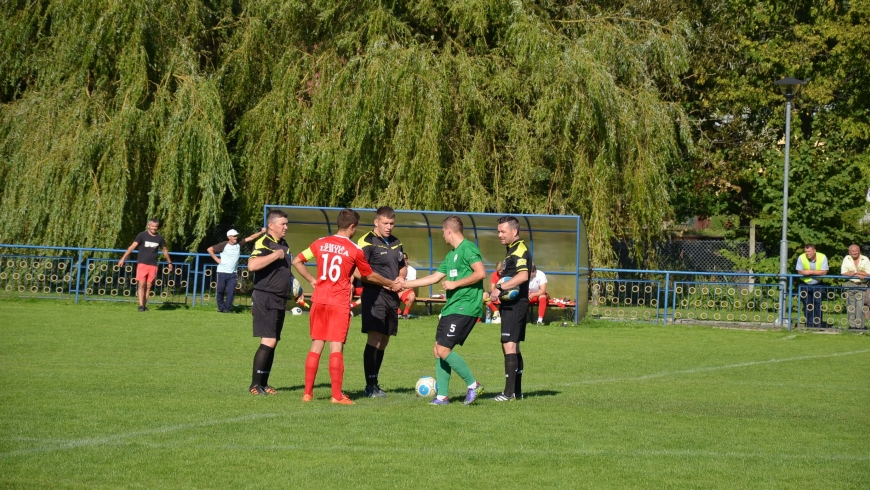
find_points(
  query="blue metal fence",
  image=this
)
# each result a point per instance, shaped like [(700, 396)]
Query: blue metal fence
[(91, 274)]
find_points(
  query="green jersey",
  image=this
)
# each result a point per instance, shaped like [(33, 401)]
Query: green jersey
[(466, 300)]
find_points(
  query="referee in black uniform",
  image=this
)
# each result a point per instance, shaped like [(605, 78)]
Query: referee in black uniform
[(513, 312), (270, 262), (380, 315)]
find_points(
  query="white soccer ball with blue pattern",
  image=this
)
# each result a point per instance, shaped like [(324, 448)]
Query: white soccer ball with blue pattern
[(508, 294), (296, 311), (295, 288), (426, 387)]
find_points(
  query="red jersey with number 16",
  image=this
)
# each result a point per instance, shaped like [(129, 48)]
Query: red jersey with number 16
[(336, 257)]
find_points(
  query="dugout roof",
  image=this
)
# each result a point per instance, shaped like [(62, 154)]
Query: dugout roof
[(558, 244)]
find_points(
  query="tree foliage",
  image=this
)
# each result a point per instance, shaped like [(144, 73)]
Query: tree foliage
[(629, 113), (117, 110)]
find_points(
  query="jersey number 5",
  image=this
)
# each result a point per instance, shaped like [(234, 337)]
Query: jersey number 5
[(334, 267)]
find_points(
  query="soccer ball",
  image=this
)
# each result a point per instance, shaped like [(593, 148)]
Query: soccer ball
[(296, 288), (296, 311), (426, 386), (508, 294)]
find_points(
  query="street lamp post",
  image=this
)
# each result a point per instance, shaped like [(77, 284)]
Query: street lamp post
[(789, 87)]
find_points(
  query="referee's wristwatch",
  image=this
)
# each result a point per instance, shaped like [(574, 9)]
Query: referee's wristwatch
[(498, 286)]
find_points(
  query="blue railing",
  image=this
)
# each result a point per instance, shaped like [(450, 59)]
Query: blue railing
[(93, 274), (727, 297)]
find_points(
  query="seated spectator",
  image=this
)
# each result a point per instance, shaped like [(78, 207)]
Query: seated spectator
[(408, 295), (538, 291), (857, 267), (492, 303)]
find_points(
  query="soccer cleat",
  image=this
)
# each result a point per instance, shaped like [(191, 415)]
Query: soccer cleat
[(375, 392), (344, 400), (501, 397), (406, 317), (438, 401), (540, 322), (307, 398), (257, 390), (141, 308), (473, 393), (270, 390)]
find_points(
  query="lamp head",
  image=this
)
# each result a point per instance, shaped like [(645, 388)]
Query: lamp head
[(789, 86)]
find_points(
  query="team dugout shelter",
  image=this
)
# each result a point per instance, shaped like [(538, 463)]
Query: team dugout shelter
[(558, 244)]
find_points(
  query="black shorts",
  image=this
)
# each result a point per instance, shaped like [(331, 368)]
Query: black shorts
[(268, 310), (454, 329), (513, 321), (380, 317)]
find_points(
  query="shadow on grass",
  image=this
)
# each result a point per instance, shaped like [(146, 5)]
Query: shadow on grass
[(168, 306), (535, 394)]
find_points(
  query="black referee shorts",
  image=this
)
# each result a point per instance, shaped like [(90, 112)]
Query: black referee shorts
[(268, 310), (380, 317), (513, 320)]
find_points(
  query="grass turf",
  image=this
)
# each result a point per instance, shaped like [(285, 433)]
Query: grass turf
[(101, 396)]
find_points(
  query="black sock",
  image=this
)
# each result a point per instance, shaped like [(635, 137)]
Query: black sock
[(268, 369), (518, 386), (510, 371), (380, 361), (370, 363), (261, 357)]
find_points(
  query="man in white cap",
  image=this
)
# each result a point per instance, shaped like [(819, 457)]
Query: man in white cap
[(227, 278)]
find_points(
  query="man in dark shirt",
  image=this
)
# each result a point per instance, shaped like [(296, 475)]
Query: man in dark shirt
[(515, 272), (380, 318), (270, 262), (148, 242)]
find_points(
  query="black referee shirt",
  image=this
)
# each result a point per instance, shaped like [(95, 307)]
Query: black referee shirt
[(386, 257), (518, 260), (277, 277)]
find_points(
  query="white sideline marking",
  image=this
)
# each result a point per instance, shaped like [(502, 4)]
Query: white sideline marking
[(116, 438), (675, 453), (712, 368)]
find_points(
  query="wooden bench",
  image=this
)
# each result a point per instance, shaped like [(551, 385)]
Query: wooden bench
[(430, 301)]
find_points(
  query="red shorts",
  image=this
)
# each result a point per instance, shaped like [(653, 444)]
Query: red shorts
[(146, 273), (329, 323), (404, 296)]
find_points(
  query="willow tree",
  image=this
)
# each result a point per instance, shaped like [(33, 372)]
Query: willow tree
[(109, 116), (477, 105)]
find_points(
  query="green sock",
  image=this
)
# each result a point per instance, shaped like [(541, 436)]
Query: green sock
[(458, 364), (442, 376)]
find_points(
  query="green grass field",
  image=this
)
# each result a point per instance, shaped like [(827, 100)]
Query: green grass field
[(100, 396)]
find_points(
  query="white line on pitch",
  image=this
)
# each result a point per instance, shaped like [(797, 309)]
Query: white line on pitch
[(712, 368), (117, 438), (519, 451)]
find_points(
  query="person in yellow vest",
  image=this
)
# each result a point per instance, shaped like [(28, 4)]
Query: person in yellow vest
[(812, 265), (857, 267)]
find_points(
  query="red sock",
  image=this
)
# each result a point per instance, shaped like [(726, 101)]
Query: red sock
[(336, 373), (311, 363), (408, 310), (542, 306)]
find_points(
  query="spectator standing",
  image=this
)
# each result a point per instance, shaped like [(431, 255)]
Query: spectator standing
[(227, 277), (857, 267), (812, 265), (148, 242)]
